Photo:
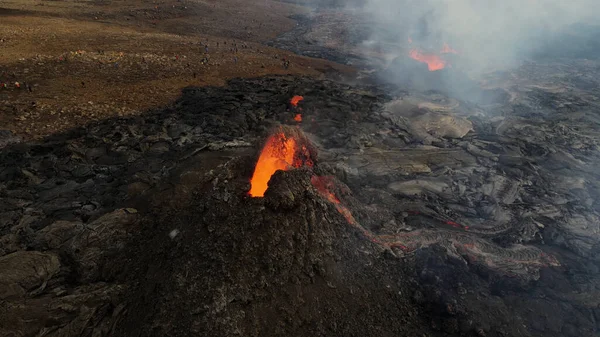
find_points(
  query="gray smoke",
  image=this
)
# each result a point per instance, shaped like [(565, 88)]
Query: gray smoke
[(489, 34)]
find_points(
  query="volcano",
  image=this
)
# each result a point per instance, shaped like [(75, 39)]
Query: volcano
[(408, 200), (318, 241)]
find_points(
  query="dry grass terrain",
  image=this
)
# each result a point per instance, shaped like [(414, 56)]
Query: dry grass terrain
[(78, 61)]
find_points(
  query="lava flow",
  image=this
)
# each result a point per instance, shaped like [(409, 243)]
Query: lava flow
[(433, 61), (277, 154), (324, 185), (298, 118)]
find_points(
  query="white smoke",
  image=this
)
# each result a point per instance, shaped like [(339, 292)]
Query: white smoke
[(489, 34)]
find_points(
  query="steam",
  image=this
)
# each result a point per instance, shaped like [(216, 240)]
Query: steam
[(488, 34)]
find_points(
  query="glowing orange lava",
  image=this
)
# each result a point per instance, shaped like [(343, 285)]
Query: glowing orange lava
[(324, 185), (277, 154), (433, 61), (447, 50), (295, 100), (298, 118)]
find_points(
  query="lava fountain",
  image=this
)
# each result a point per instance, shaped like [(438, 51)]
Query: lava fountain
[(277, 154), (286, 148)]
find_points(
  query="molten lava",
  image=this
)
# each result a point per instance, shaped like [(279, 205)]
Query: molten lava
[(277, 154), (298, 118), (433, 61), (324, 185), (303, 157), (295, 100), (286, 148)]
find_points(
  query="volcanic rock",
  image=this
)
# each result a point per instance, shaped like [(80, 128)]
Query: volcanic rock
[(495, 213), (424, 125), (281, 194), (95, 245), (288, 261), (25, 272), (7, 138)]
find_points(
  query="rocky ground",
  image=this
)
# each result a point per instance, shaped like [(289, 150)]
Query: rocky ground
[(423, 215), (81, 61)]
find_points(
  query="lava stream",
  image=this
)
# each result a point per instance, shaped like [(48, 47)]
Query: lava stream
[(324, 185)]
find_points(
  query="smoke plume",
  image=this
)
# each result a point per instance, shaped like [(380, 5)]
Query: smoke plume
[(488, 34)]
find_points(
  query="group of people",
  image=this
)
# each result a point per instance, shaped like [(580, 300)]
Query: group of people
[(16, 85), (233, 48)]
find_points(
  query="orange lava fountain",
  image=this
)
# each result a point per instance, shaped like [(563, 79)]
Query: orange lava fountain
[(277, 154), (433, 61)]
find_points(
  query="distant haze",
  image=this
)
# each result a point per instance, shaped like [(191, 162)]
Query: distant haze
[(489, 34)]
